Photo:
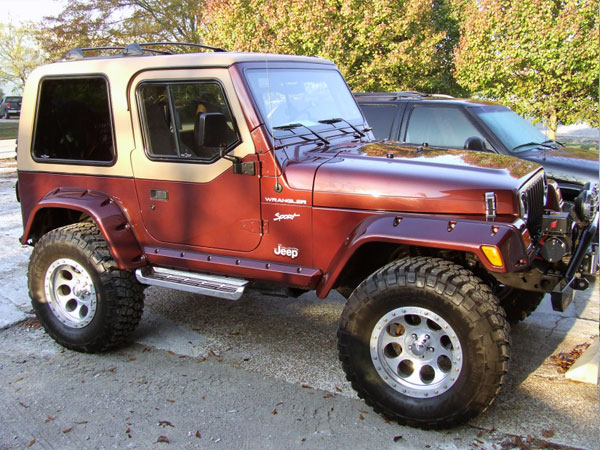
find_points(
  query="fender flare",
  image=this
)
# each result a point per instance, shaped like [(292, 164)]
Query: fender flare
[(108, 215), (460, 234)]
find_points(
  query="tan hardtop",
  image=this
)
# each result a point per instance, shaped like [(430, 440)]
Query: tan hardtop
[(127, 66)]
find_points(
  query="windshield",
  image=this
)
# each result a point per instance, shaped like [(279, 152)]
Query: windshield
[(302, 96), (516, 133)]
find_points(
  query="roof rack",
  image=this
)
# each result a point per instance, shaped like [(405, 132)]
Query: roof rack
[(136, 49), (398, 95)]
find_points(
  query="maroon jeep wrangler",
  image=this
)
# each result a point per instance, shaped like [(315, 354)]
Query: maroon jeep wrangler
[(217, 172)]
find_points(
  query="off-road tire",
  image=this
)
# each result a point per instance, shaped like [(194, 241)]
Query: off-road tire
[(119, 298), (455, 297), (519, 304)]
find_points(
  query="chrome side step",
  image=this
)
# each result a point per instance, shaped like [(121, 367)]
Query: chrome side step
[(198, 283)]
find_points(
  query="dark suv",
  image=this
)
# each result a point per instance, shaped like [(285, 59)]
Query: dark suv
[(444, 122), (10, 106), (219, 172)]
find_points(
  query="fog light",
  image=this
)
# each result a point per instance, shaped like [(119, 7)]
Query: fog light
[(493, 255)]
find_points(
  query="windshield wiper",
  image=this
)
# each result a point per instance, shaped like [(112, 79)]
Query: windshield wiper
[(339, 119), (551, 141), (291, 126), (539, 144)]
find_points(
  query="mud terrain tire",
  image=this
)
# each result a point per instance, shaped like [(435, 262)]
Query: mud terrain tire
[(80, 296), (436, 317)]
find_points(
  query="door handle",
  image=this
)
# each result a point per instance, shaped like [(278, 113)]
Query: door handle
[(159, 194)]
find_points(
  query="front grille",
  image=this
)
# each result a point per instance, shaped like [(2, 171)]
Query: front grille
[(535, 197)]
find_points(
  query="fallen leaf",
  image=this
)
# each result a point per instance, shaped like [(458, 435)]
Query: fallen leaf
[(163, 439), (49, 418), (132, 358), (170, 352), (274, 411), (170, 401), (181, 356), (68, 430), (397, 438), (564, 360), (112, 369), (83, 422), (213, 353), (204, 397), (306, 386), (18, 379), (165, 423), (31, 442), (547, 433), (338, 389), (364, 412), (198, 435), (128, 430), (361, 417), (328, 395)]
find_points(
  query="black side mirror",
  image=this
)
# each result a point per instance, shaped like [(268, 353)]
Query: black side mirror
[(475, 143), (210, 130)]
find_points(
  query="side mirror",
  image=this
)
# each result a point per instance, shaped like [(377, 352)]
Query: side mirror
[(210, 130), (475, 143)]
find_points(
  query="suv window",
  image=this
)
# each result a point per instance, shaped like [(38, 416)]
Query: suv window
[(73, 121), (439, 127), (186, 120), (381, 118)]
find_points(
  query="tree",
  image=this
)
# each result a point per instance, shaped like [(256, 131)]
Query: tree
[(19, 54), (538, 56), (102, 23), (377, 44)]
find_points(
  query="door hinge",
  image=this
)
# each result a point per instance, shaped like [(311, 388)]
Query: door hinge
[(255, 226)]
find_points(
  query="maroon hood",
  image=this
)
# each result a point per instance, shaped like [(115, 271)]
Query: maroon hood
[(389, 177)]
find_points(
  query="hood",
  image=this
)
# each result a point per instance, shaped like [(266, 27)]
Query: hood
[(568, 164), (389, 177)]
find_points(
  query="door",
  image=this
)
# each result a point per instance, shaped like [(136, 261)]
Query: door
[(187, 192)]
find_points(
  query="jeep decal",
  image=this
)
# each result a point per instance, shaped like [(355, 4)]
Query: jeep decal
[(284, 251)]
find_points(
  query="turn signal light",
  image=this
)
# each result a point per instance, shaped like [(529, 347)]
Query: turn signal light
[(493, 255)]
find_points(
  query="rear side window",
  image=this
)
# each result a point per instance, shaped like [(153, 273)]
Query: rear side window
[(380, 118), (186, 120), (439, 127), (73, 121)]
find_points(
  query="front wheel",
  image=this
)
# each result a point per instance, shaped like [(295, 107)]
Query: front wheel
[(424, 342), (79, 294)]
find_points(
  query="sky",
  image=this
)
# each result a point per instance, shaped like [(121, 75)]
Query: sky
[(19, 11)]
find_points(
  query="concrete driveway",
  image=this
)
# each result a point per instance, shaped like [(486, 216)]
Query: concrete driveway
[(261, 372)]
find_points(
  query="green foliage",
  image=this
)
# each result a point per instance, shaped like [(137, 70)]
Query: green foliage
[(18, 54), (102, 23), (538, 56), (8, 130), (377, 44)]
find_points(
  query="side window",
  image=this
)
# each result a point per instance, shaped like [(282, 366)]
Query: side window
[(186, 120), (439, 127), (381, 118), (73, 121)]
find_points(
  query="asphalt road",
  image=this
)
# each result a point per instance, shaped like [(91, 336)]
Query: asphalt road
[(261, 372)]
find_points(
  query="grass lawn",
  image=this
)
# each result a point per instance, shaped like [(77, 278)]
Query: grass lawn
[(8, 130)]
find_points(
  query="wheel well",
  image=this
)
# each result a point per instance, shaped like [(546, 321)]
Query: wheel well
[(49, 219), (374, 255)]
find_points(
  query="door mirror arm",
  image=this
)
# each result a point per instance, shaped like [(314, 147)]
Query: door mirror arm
[(239, 167)]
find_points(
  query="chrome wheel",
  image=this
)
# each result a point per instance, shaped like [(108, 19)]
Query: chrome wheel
[(70, 292), (416, 352)]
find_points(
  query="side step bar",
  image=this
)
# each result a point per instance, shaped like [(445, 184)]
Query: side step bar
[(198, 283)]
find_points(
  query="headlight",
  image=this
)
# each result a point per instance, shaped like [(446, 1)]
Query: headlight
[(524, 205)]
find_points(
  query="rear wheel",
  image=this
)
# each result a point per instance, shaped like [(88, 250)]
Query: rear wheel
[(79, 294), (424, 342)]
